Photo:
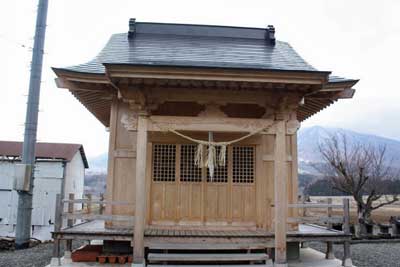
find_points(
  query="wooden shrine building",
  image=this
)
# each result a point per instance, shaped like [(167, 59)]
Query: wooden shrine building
[(203, 123)]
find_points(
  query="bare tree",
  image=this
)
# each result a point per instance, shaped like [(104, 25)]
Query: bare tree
[(359, 170)]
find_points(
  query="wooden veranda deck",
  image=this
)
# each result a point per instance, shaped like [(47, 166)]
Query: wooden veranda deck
[(96, 230)]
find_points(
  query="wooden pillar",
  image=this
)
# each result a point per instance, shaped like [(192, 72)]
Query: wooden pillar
[(89, 204), (140, 193), (70, 223), (281, 194), (101, 204), (347, 262), (329, 245), (55, 260)]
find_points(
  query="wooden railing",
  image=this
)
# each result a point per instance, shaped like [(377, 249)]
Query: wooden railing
[(90, 209), (328, 220)]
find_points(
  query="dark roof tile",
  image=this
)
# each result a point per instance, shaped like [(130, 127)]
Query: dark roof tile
[(157, 44)]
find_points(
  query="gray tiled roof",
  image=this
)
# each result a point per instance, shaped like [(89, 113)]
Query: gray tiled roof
[(155, 44), (337, 79), (199, 51)]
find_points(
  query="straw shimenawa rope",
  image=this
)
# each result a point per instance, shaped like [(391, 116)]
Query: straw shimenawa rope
[(212, 160)]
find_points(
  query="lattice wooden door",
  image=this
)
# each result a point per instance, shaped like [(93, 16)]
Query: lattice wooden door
[(182, 193)]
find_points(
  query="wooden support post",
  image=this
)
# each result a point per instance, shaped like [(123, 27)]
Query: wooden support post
[(329, 245), (70, 222), (280, 186), (346, 228), (55, 261), (303, 214), (140, 193), (304, 208), (89, 204), (101, 205)]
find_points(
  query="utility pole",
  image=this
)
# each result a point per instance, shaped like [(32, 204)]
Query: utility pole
[(24, 214)]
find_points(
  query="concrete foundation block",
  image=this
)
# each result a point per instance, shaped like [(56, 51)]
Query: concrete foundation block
[(347, 263), (67, 258), (293, 251), (55, 262)]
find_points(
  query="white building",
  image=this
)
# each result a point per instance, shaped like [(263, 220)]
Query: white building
[(59, 168)]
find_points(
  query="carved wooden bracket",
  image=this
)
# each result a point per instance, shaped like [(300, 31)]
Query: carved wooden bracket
[(212, 110), (129, 121), (292, 126)]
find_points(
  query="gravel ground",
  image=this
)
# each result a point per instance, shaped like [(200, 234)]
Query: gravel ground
[(368, 254), (38, 256), (363, 255)]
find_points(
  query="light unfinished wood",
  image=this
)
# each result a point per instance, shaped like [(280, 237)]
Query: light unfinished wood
[(206, 257), (207, 124), (70, 222), (87, 201), (57, 226), (229, 103), (205, 203), (117, 71), (207, 265), (317, 220), (111, 163), (281, 196), (315, 205), (98, 217), (329, 245), (89, 204), (347, 262), (140, 194)]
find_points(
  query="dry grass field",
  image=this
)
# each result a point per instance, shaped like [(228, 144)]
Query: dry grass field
[(381, 215)]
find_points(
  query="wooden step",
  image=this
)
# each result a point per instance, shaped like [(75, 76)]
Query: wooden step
[(206, 257), (204, 246), (214, 265)]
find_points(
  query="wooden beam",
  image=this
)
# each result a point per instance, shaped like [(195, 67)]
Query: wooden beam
[(206, 124), (140, 194), (281, 194), (176, 73), (99, 217), (316, 219)]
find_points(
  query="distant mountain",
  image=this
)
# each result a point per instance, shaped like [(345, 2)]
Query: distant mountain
[(98, 164), (95, 176), (309, 138)]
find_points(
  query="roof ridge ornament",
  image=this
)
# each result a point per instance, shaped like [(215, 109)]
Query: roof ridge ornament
[(270, 34), (132, 28)]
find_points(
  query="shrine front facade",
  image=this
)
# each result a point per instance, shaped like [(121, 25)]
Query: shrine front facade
[(203, 123)]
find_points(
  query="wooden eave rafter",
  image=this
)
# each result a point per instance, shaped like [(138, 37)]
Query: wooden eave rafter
[(319, 100), (95, 91)]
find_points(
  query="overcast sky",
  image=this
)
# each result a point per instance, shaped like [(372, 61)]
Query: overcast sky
[(355, 39)]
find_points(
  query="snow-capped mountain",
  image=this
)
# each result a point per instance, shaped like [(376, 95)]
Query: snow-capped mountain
[(310, 138)]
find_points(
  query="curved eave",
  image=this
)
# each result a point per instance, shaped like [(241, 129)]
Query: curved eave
[(99, 105), (92, 90), (330, 93)]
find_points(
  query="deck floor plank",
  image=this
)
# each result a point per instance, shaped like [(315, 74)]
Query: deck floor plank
[(95, 229)]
